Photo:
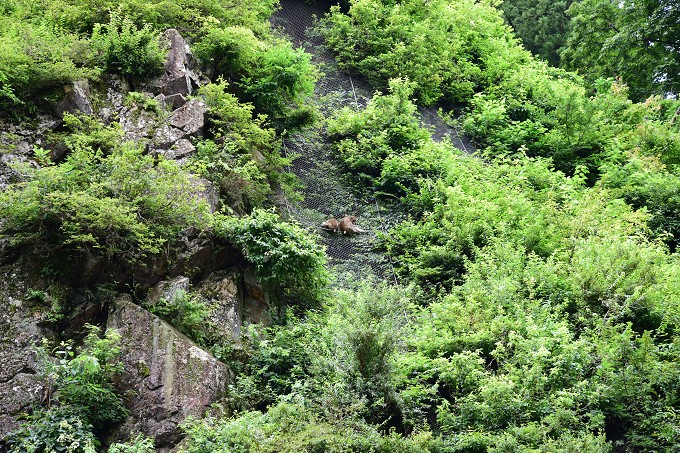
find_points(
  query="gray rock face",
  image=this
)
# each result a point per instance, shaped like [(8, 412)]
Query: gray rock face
[(172, 377), (175, 100), (182, 148), (190, 118), (77, 99), (221, 291), (20, 387), (179, 77), (187, 121), (167, 289), (210, 193)]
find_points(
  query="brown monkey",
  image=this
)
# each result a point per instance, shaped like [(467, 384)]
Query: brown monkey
[(347, 226), (331, 224)]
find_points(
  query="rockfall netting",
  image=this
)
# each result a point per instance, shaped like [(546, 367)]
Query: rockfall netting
[(327, 191)]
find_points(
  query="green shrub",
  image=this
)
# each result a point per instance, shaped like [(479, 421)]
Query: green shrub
[(36, 60), (643, 182), (187, 16), (126, 49), (86, 400), (144, 102), (292, 427), (138, 444), (189, 314), (242, 159), (272, 75), (449, 50), (271, 364), (287, 259), (384, 146), (56, 429), (116, 201)]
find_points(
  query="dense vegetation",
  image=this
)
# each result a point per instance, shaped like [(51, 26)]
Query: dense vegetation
[(538, 305)]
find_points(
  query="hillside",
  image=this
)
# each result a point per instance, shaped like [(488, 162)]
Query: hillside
[(504, 276)]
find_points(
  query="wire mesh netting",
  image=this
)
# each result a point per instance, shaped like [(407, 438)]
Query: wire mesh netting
[(327, 190)]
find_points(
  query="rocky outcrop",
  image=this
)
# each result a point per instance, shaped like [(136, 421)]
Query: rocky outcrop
[(77, 99), (171, 377), (20, 387), (185, 122), (221, 292), (233, 296), (180, 77)]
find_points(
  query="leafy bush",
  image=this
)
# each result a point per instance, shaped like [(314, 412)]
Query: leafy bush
[(126, 49), (292, 427), (83, 381), (56, 429), (643, 182), (86, 399), (271, 363), (461, 52), (287, 259), (272, 75), (242, 159), (138, 444), (187, 16), (189, 314), (116, 201), (605, 42), (35, 60), (449, 50), (384, 146)]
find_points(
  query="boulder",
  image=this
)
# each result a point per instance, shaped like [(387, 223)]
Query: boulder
[(77, 99), (200, 256), (209, 193), (175, 100), (190, 118), (138, 124), (187, 121), (181, 148), (171, 377), (255, 300), (179, 77), (166, 136)]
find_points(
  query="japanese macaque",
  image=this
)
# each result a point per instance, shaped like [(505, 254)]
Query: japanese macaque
[(331, 224), (347, 226)]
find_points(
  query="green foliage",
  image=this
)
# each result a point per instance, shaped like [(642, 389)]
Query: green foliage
[(138, 444), (292, 427), (542, 26), (271, 363), (86, 400), (271, 74), (384, 146), (187, 16), (643, 182), (636, 41), (449, 50), (108, 198), (242, 158), (56, 429), (287, 259), (141, 100), (36, 59), (356, 352), (515, 103), (126, 49), (83, 381), (189, 314), (518, 200)]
